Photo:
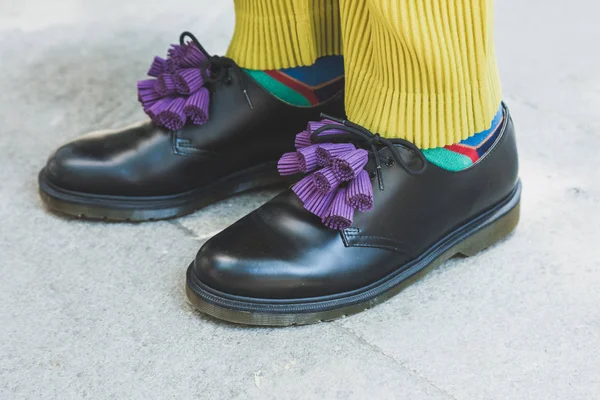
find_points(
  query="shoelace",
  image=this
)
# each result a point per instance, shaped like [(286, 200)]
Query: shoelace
[(373, 142), (221, 68)]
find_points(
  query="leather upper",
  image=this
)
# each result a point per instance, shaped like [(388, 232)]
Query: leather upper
[(283, 251), (145, 160)]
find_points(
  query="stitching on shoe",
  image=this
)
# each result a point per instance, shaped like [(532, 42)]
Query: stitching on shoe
[(353, 238), (183, 147)]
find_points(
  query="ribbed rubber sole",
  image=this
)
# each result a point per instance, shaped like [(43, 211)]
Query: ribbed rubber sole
[(137, 209), (468, 240)]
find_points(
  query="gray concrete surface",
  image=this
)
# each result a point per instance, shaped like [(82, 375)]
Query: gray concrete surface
[(98, 311)]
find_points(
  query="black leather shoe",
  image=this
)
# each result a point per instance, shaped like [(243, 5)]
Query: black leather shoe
[(281, 265), (147, 172)]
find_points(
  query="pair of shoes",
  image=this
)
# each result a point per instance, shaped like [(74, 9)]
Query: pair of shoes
[(370, 217)]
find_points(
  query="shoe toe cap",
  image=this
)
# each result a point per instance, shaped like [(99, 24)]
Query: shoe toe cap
[(108, 162), (232, 264), (259, 257), (246, 260), (79, 166), (66, 167)]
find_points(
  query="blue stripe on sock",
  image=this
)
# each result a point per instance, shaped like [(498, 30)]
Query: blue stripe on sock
[(478, 138), (323, 70), (328, 91)]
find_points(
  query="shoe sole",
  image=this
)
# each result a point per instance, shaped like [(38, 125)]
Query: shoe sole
[(153, 208), (471, 238)]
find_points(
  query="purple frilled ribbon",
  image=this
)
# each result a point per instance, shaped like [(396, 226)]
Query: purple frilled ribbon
[(337, 185), (176, 93)]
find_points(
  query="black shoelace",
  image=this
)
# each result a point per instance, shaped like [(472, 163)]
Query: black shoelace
[(221, 68), (372, 142)]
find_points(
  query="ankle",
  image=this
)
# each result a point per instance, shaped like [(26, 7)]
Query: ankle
[(459, 156), (303, 86)]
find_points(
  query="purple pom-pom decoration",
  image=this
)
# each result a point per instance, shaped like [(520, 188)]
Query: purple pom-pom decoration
[(146, 84), (146, 93), (176, 54), (159, 107), (318, 203), (171, 66), (165, 85), (350, 164), (324, 193), (328, 151), (304, 188), (188, 80), (288, 164), (173, 117), (302, 140), (178, 93), (196, 106), (159, 66), (339, 215), (148, 97), (360, 192), (307, 158), (326, 180), (314, 125), (192, 57)]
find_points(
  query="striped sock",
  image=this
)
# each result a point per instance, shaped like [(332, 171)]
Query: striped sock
[(303, 86), (462, 155)]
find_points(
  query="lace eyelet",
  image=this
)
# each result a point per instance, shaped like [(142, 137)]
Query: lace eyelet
[(389, 162), (372, 175)]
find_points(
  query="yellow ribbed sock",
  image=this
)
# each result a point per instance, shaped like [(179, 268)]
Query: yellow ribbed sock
[(275, 34), (422, 70)]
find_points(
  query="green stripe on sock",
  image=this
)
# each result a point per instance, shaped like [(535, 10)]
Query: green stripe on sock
[(447, 159), (277, 88)]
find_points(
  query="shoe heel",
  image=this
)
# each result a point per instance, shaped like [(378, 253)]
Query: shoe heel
[(491, 234)]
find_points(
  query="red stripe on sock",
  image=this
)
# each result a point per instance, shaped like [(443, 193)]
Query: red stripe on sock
[(297, 86), (467, 151)]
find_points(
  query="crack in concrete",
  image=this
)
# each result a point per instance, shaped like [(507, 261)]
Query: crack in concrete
[(379, 350), (187, 231)]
